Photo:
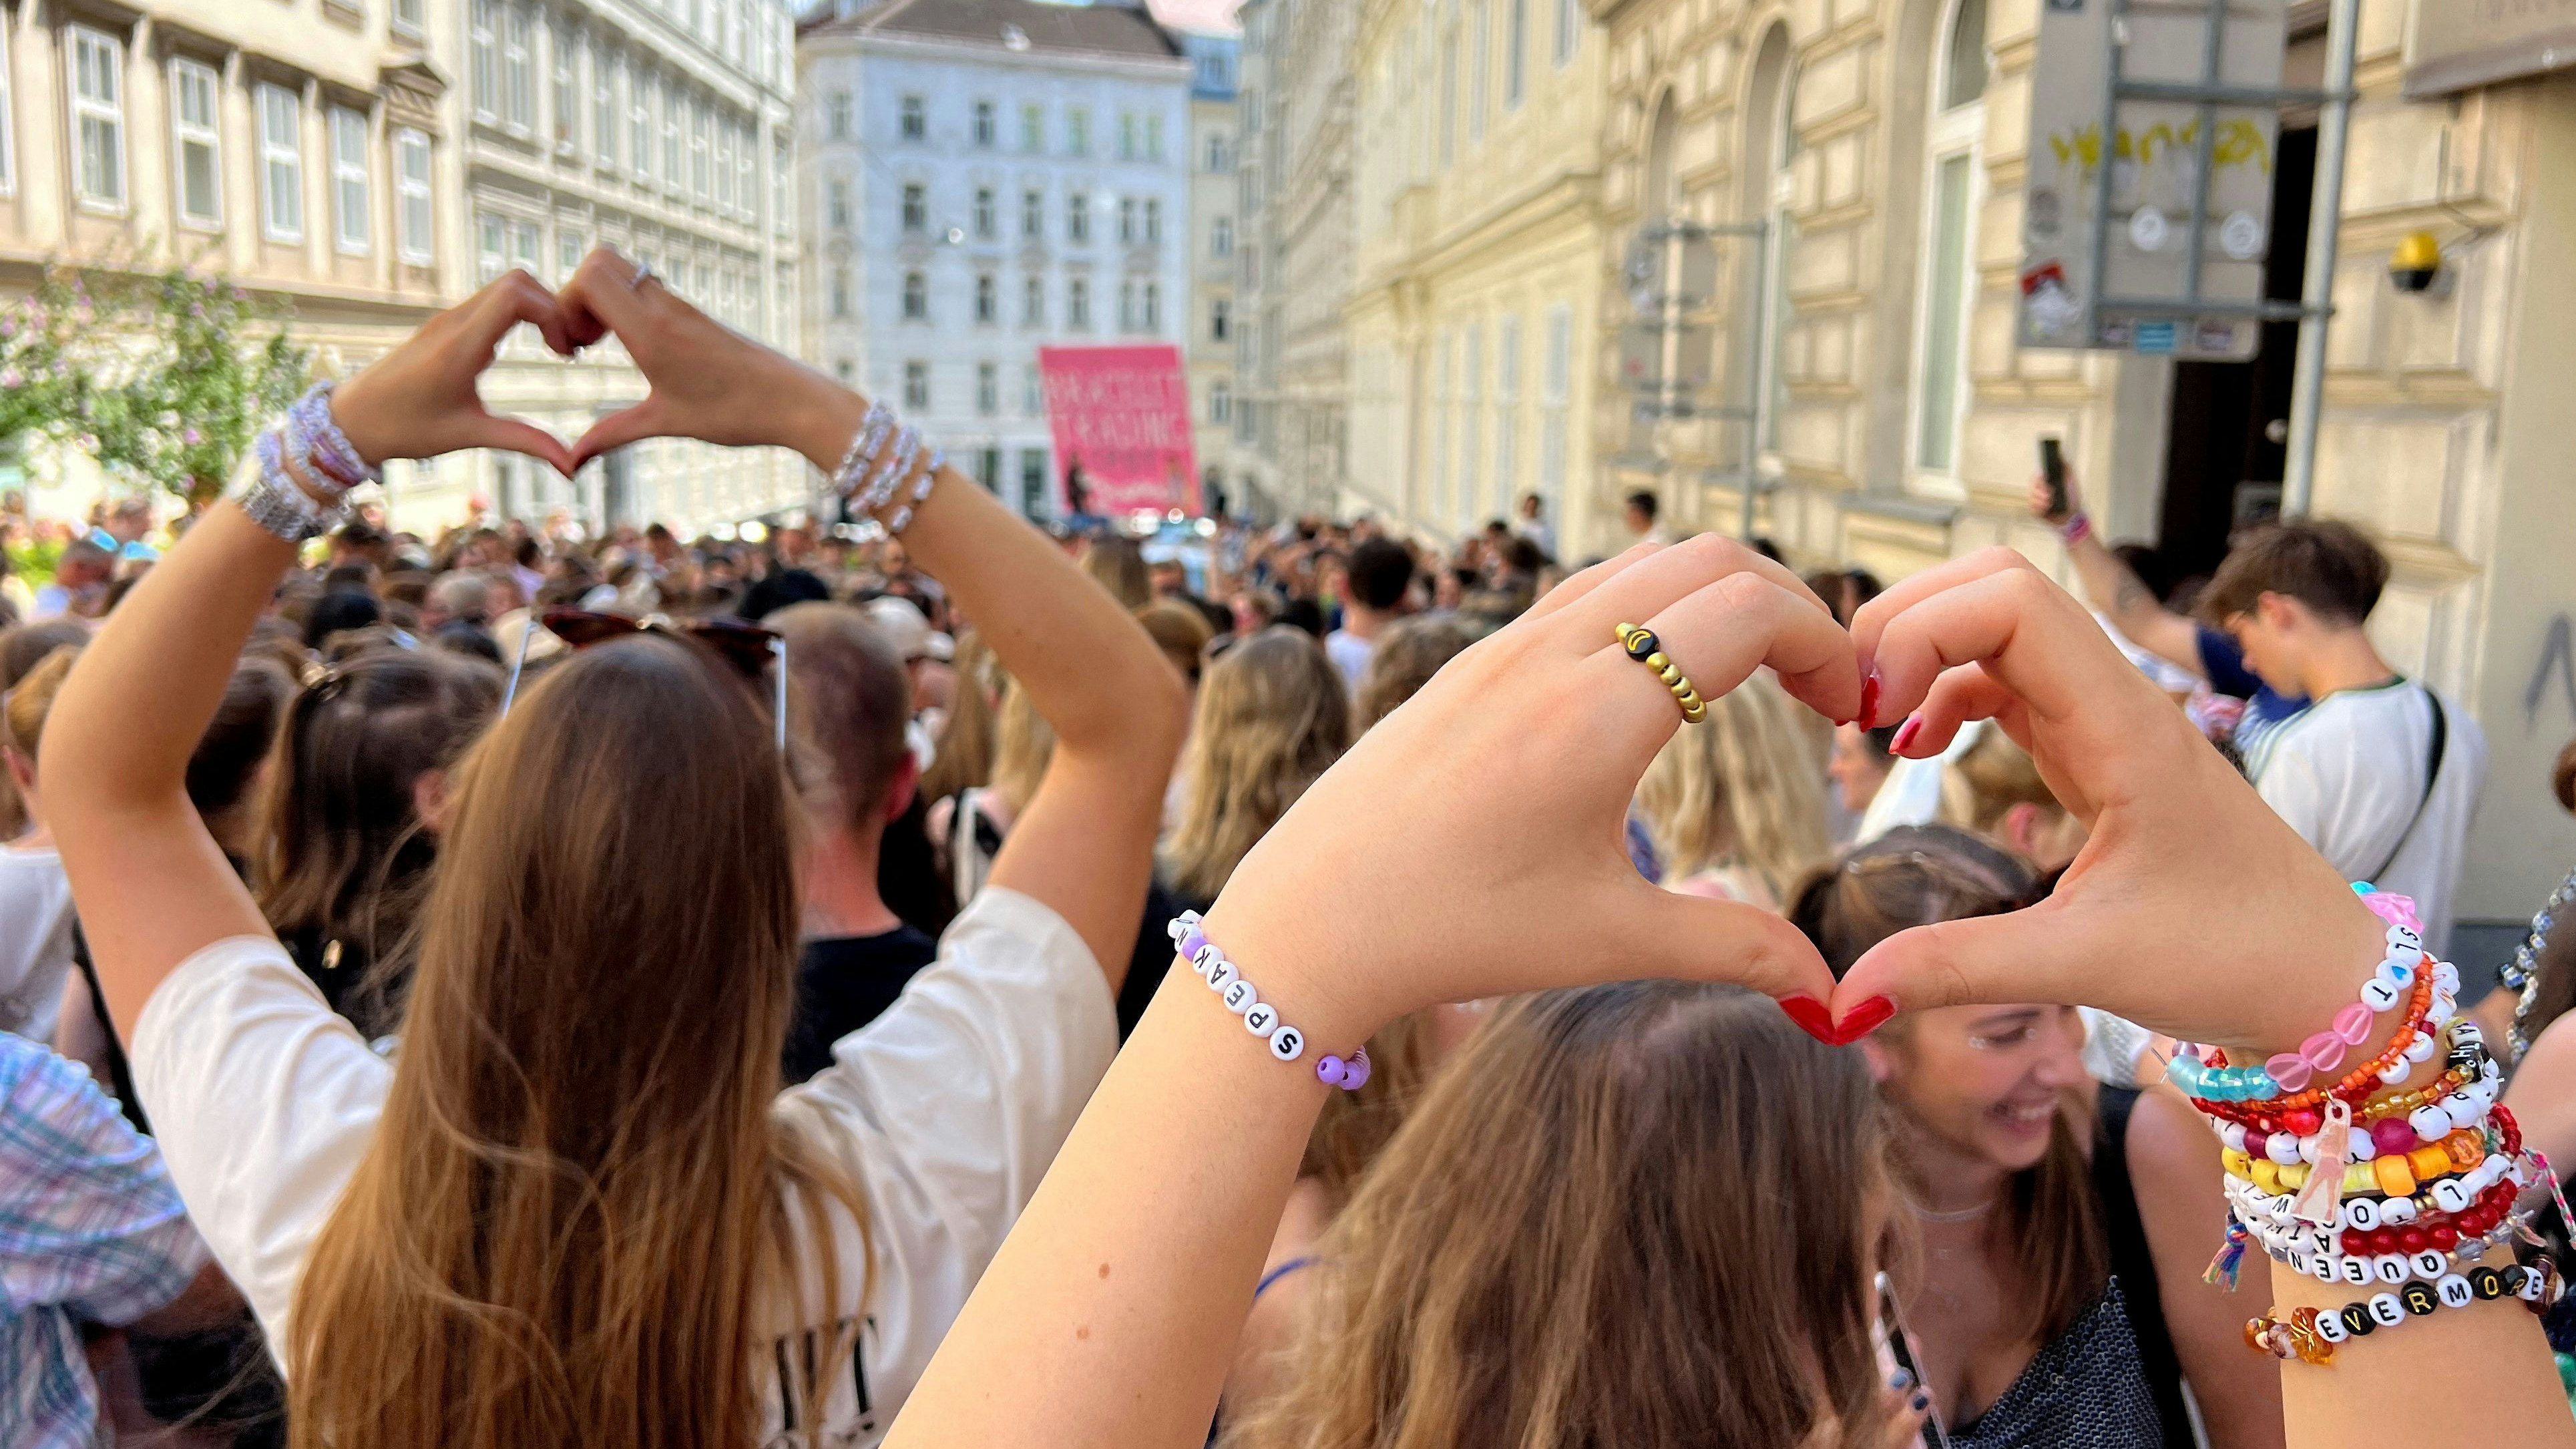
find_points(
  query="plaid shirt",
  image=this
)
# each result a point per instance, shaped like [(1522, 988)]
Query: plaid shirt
[(91, 1232)]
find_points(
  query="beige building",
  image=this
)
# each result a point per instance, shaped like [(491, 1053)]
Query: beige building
[(1881, 146), (1216, 134), (305, 148), (1473, 322)]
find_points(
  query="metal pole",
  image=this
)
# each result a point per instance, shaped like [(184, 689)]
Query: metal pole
[(1748, 451), (2316, 294), (2213, 41)]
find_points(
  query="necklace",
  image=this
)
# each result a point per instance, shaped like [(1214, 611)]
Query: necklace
[(1955, 1215)]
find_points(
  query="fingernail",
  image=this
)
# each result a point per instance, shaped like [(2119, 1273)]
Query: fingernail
[(1900, 1380), (1922, 1402), (1905, 734), (1868, 717), (1811, 1017), (1865, 1018)]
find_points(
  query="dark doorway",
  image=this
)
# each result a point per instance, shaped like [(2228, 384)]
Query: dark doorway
[(2225, 453)]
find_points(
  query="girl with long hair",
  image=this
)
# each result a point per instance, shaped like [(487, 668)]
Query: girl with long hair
[(1272, 716), (351, 817), (1470, 846), (1736, 808), (576, 1208), (36, 921)]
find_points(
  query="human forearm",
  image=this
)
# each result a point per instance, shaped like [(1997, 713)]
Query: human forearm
[(2120, 596), (2378, 1381)]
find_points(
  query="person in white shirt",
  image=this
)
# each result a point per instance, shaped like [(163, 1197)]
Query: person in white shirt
[(36, 921), (1534, 526), (1640, 511), (2379, 773), (1381, 576), (576, 1207)]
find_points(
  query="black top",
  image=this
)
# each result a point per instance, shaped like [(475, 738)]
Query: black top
[(2133, 1262), (842, 984)]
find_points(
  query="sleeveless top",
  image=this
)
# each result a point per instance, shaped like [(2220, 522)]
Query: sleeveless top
[(2110, 1381)]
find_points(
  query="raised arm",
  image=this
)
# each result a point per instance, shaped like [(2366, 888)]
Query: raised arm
[(1084, 845), (151, 884), (2110, 587)]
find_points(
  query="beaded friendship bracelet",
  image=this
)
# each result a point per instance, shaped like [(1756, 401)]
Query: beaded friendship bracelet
[(2310, 1334), (1287, 1043)]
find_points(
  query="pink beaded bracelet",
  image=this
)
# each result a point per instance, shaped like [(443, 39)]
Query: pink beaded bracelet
[(1287, 1043)]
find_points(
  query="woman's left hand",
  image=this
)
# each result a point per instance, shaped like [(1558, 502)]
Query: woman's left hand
[(1471, 845), (419, 400)]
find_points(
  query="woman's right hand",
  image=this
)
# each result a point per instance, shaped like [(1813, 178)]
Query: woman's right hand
[(1471, 844), (2192, 908)]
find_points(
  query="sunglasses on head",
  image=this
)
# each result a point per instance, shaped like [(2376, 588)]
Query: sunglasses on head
[(748, 648)]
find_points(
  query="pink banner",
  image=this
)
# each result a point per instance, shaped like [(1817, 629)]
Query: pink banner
[(1122, 416)]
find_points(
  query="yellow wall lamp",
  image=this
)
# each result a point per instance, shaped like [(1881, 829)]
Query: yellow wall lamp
[(2416, 263)]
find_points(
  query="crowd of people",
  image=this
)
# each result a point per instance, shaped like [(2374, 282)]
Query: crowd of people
[(798, 987)]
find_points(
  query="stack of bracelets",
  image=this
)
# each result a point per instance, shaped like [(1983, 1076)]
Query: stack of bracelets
[(886, 468), (321, 452), (2377, 1177)]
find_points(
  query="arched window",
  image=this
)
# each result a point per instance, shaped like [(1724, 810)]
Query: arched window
[(1949, 283), (1769, 171)]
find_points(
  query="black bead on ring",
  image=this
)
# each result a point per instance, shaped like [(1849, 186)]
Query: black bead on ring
[(1646, 649)]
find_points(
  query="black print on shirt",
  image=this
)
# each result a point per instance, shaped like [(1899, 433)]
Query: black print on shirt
[(849, 1414)]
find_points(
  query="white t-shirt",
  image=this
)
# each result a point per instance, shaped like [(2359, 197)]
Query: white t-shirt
[(1350, 654), (35, 941), (946, 1111), (2346, 773)]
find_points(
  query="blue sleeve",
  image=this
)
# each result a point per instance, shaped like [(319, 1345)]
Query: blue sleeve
[(89, 1220), (2223, 663)]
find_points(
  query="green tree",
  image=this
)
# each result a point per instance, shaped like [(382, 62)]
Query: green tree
[(43, 381), (215, 368)]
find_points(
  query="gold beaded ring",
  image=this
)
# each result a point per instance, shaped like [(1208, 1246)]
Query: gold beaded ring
[(1646, 649)]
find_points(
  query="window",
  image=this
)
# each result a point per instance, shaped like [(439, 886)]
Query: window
[(916, 208), (568, 253), (1507, 412), (488, 261), (988, 223), (724, 163), (1153, 306), (603, 105), (836, 116), (1077, 304), (1153, 221), (567, 91), (778, 174), (415, 223), (1949, 284), (1127, 306), (746, 166), (407, 18), (838, 209), (1217, 318), (523, 249), (1153, 138), (1219, 157), (1033, 129), (196, 136), (1516, 35), (988, 300), (1449, 96), (1032, 215), (1127, 220), (916, 386), (1077, 132), (281, 164), (916, 119), (1033, 481), (1556, 388), (698, 158), (988, 126), (1221, 237), (841, 291), (1569, 28), (1033, 394), (666, 99), (916, 297), (349, 180), (482, 37), (639, 121), (988, 389), (518, 71), (1033, 301), (1480, 67), (98, 113), (1127, 136), (1077, 218), (1220, 403)]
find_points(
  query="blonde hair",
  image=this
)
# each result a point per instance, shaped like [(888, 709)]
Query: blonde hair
[(1989, 778), (1635, 1214), (1744, 788), (1023, 744), (583, 1202), (1271, 718), (32, 698), (964, 757), (1403, 662)]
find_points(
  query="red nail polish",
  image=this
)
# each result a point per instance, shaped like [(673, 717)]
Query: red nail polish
[(1905, 734), (1811, 1017), (1868, 716), (1865, 1018)]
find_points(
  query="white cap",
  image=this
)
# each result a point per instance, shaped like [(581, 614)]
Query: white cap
[(908, 630)]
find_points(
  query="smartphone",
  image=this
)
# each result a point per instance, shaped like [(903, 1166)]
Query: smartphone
[(2052, 468), (1900, 1344)]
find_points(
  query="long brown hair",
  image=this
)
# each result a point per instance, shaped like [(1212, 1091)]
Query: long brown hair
[(1634, 1214), (2051, 1236), (341, 852), (1272, 716), (1354, 1128), (579, 1199)]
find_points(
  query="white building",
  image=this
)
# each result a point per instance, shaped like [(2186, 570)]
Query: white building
[(984, 178), (662, 128), (1215, 130)]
